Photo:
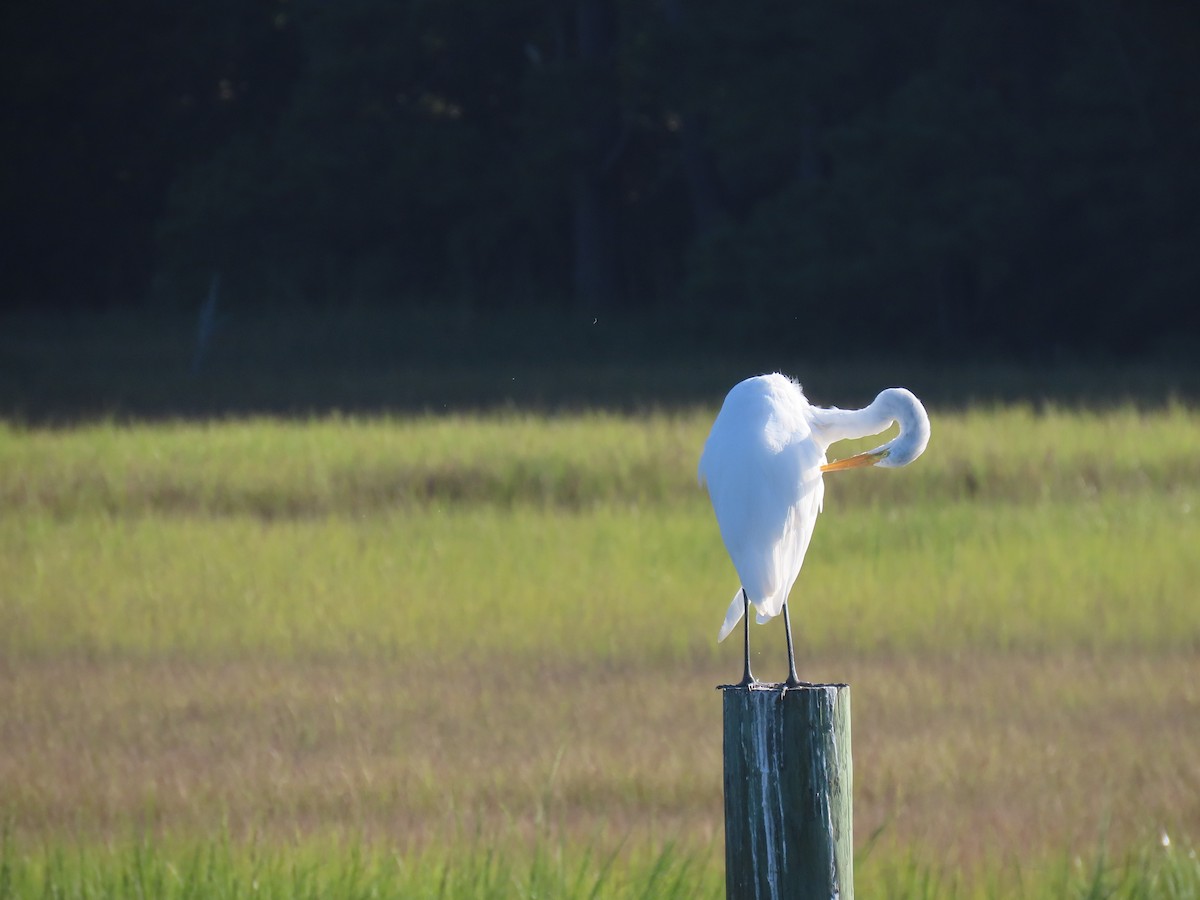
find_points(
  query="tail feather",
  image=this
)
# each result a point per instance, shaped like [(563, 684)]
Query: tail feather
[(736, 608)]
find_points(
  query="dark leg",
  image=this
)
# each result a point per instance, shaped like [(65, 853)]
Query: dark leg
[(747, 677), (792, 679)]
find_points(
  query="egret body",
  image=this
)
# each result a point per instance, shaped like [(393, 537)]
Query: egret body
[(763, 464)]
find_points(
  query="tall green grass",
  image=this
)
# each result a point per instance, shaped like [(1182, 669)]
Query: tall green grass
[(607, 583), (476, 871), (1016, 530), (1144, 874), (354, 466), (545, 870)]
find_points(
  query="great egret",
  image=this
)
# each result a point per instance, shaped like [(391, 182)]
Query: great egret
[(763, 464)]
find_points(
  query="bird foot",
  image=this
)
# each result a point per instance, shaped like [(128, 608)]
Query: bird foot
[(794, 682), (748, 682)]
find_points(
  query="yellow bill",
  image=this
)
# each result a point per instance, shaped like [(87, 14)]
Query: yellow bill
[(855, 462)]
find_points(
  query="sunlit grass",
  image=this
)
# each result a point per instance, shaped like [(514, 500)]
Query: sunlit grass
[(608, 582), (1015, 529), (280, 468), (374, 626), (542, 868), (474, 870)]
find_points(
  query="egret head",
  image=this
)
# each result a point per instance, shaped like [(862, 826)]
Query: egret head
[(892, 405)]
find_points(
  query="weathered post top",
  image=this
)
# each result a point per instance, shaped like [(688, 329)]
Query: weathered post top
[(788, 792)]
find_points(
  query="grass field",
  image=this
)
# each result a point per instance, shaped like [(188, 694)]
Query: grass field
[(474, 656)]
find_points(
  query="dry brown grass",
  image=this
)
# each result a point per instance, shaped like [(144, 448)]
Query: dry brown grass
[(972, 758)]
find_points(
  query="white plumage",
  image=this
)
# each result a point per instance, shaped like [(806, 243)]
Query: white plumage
[(763, 464), (762, 468)]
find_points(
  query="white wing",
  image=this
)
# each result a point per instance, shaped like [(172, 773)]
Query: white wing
[(762, 469)]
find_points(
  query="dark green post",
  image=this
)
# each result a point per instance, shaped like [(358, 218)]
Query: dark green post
[(788, 786)]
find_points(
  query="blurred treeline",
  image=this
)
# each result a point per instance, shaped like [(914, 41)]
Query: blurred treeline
[(979, 175)]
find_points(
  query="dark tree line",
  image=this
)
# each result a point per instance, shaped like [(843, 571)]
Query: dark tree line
[(1000, 174)]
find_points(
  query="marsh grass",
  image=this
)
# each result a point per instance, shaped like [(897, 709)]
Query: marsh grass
[(275, 468), (1016, 530), (474, 870), (378, 627), (496, 869), (1099, 575), (1140, 874)]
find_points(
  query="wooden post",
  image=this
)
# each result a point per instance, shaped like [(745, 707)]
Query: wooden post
[(788, 785)]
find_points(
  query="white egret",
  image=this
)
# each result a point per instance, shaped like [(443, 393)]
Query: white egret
[(763, 464)]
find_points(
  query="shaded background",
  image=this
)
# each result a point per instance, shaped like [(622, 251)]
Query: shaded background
[(939, 181)]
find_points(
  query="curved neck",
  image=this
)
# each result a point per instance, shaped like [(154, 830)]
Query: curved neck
[(830, 424)]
